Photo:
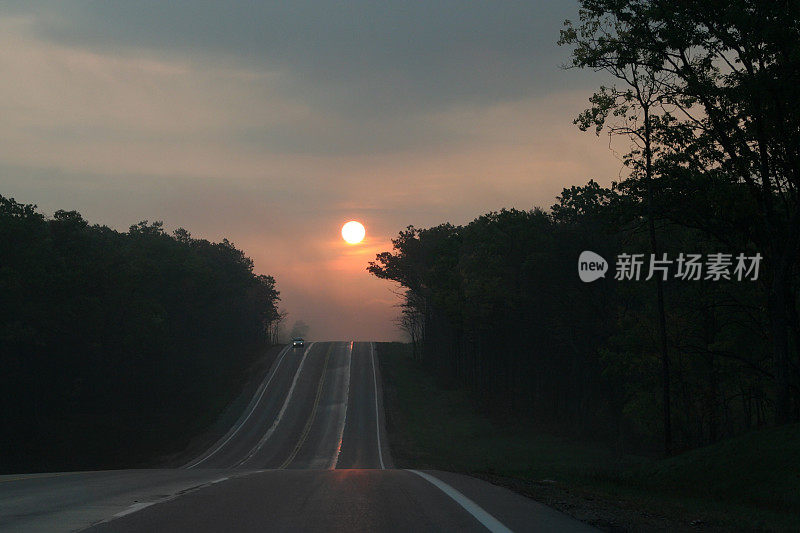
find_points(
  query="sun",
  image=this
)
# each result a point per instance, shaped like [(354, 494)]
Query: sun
[(353, 232)]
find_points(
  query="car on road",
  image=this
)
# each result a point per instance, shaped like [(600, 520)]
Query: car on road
[(298, 341)]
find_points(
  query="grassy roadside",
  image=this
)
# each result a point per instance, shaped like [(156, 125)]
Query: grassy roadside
[(86, 441), (748, 483)]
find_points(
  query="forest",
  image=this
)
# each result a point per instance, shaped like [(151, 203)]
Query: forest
[(116, 346), (703, 111)]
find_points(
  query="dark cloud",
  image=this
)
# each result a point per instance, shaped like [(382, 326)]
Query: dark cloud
[(355, 58)]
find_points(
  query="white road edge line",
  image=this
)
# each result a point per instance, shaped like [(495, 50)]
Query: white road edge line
[(240, 424), (343, 423), (278, 418), (377, 412), (136, 507), (489, 522)]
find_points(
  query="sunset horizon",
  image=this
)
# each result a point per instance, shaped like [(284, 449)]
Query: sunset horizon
[(237, 142), (355, 266)]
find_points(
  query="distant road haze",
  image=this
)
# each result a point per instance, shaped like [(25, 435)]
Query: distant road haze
[(308, 453)]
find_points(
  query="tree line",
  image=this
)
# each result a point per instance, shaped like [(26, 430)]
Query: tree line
[(117, 345), (704, 95)]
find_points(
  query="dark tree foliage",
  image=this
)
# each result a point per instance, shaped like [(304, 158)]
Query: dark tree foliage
[(497, 305), (722, 119), (112, 344)]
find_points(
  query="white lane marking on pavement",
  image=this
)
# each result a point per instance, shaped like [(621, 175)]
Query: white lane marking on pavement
[(175, 495), (133, 508), (377, 413), (489, 522), (271, 430), (313, 415), (342, 424), (240, 424)]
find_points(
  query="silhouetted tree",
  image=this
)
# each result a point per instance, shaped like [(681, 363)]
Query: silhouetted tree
[(115, 345), (299, 329), (726, 72), (635, 109), (497, 305)]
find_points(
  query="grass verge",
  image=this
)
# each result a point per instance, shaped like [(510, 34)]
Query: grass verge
[(748, 483)]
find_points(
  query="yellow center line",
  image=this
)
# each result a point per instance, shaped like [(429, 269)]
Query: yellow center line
[(310, 420)]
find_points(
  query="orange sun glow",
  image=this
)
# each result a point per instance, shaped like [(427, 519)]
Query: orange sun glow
[(353, 232)]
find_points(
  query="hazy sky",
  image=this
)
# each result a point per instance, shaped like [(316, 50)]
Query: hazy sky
[(273, 123)]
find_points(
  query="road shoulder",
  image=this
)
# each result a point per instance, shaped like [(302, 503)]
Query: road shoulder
[(440, 428)]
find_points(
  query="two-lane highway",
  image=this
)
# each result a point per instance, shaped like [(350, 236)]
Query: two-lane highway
[(308, 453)]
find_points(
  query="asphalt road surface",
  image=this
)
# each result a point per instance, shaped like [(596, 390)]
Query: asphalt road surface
[(309, 453)]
